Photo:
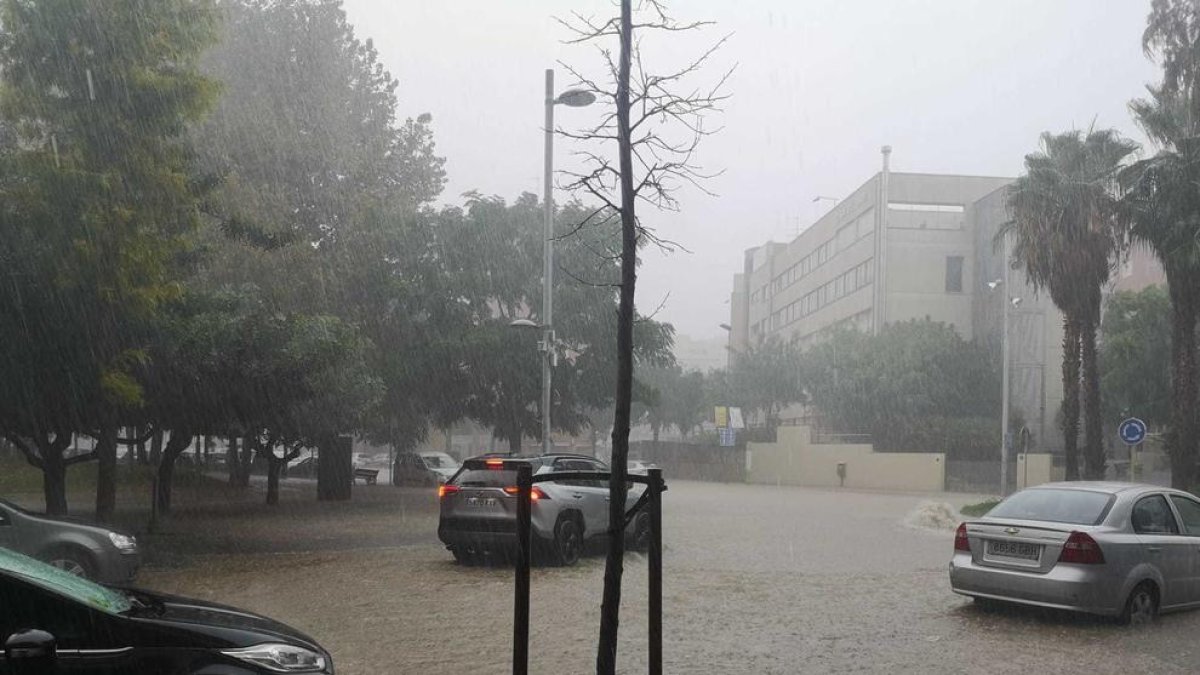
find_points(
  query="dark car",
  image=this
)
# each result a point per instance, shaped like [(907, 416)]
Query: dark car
[(54, 622), (97, 553)]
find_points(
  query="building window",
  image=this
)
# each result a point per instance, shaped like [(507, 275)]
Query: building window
[(954, 274)]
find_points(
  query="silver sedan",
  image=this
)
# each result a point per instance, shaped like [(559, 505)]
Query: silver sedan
[(1114, 549)]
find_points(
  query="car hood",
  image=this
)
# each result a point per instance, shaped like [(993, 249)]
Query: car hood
[(215, 625), (70, 522)]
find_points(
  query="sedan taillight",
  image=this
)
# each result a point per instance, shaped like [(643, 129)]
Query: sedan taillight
[(961, 542), (1081, 549), (444, 490)]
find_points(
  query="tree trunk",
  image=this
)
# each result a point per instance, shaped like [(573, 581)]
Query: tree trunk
[(274, 466), (156, 444), (1070, 404), (614, 563), (54, 482), (176, 444), (233, 462), (142, 458), (106, 473), (1093, 448), (247, 462), (1181, 435), (514, 444)]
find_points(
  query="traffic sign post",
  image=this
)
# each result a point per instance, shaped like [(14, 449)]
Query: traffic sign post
[(1133, 432)]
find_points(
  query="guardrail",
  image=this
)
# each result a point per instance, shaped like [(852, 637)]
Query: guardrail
[(651, 500)]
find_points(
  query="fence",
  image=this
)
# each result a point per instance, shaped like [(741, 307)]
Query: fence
[(686, 461)]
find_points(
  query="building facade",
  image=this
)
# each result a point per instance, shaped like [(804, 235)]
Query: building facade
[(909, 246)]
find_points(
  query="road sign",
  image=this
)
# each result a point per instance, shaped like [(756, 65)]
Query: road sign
[(1132, 431), (728, 437)]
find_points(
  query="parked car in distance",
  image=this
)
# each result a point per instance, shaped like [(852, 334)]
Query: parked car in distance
[(1113, 549), (423, 468), (85, 550), (479, 509), (57, 622), (639, 466)]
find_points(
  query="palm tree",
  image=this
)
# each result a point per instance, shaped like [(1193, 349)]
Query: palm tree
[(1163, 207), (1065, 233)]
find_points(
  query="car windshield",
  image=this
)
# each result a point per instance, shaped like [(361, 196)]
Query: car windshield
[(1077, 507), (64, 583)]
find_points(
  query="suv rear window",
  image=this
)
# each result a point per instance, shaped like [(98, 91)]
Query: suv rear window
[(1079, 507), (476, 474)]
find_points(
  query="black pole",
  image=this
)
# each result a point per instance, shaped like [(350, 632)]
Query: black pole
[(521, 597), (655, 603)]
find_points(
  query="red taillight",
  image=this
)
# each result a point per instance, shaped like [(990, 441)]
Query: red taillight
[(535, 493), (1081, 549), (961, 542), (444, 490)]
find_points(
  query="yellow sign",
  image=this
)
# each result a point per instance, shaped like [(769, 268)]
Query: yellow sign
[(722, 415)]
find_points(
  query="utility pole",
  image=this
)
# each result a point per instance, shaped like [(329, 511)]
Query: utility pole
[(547, 345), (1004, 367)]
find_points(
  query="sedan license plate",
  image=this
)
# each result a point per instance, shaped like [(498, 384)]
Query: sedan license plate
[(482, 502), (1014, 549)]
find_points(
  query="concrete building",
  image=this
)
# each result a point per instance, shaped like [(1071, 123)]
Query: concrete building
[(908, 246)]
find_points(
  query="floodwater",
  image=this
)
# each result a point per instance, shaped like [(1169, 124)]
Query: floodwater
[(757, 580)]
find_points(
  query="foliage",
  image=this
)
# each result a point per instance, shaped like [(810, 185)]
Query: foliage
[(979, 509), (1135, 348), (98, 203), (766, 378), (492, 253), (672, 398), (1065, 231), (904, 385), (1162, 208)]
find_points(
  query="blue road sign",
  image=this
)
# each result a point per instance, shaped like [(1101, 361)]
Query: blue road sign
[(1132, 431)]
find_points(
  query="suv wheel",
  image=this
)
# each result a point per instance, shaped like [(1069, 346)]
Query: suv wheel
[(640, 539), (568, 542)]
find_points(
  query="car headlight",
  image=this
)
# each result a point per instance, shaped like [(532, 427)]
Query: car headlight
[(280, 658), (124, 543)]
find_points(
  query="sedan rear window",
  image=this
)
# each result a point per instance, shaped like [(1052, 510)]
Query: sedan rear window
[(485, 478), (1078, 507)]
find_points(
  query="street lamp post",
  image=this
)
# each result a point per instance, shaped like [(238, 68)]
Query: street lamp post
[(1005, 359), (576, 98)]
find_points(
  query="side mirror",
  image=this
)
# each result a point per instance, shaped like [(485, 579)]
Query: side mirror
[(31, 652)]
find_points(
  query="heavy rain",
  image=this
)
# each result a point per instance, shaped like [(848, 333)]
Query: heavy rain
[(621, 336)]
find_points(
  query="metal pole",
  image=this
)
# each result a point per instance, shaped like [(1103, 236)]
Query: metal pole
[(521, 597), (1004, 358), (548, 264), (654, 507)]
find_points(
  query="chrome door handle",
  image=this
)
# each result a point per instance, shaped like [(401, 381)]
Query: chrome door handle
[(1153, 549)]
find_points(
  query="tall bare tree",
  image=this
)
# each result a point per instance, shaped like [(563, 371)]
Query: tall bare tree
[(657, 131)]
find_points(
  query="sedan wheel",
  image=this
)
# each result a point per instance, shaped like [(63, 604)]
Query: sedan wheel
[(1142, 606), (568, 542), (71, 563)]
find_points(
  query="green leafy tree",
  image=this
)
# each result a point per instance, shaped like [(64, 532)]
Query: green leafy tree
[(1163, 209), (671, 398), (1135, 354), (492, 252), (1065, 232), (319, 198), (766, 378), (98, 204), (912, 377)]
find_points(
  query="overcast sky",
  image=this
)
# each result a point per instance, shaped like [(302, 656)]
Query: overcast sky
[(954, 86)]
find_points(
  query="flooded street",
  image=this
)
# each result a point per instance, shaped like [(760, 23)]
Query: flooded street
[(757, 580)]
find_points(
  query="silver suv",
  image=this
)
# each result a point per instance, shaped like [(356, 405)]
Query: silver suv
[(479, 509)]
